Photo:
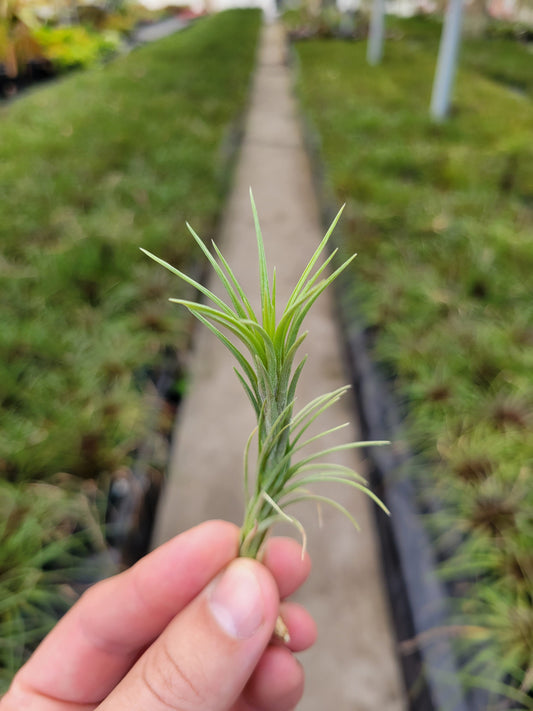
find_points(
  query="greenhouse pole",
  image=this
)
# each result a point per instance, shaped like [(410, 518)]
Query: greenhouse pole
[(376, 33), (447, 61)]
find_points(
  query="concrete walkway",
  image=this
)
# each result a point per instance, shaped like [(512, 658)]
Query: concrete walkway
[(158, 30), (353, 666)]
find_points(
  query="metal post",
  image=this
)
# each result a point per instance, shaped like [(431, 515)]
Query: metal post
[(447, 61), (376, 33)]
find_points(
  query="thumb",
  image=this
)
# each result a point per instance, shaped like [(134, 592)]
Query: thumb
[(206, 655)]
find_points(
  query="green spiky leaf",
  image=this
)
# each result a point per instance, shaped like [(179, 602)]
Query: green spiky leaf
[(269, 380)]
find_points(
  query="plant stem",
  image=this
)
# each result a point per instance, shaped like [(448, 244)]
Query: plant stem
[(252, 539)]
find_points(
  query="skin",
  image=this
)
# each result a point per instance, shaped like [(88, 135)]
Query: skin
[(188, 628)]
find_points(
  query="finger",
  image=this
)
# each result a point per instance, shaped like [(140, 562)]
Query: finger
[(277, 683), (283, 557), (208, 652), (116, 619), (301, 626)]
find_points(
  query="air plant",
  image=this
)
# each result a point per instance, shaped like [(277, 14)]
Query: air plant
[(269, 377)]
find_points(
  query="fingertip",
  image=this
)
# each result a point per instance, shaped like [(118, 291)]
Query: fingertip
[(217, 529), (288, 563), (210, 540), (277, 683), (302, 627)]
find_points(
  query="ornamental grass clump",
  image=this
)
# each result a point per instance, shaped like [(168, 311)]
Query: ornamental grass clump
[(269, 373)]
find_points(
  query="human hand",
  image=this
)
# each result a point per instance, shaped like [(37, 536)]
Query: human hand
[(187, 628)]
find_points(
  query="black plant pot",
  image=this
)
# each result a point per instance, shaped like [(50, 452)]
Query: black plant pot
[(36, 72)]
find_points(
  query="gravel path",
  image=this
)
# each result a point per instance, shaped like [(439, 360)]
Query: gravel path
[(353, 666)]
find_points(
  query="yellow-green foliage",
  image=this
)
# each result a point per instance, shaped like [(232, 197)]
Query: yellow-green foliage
[(75, 46)]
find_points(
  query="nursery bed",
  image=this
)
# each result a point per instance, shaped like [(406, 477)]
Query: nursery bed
[(418, 597), (91, 169), (438, 297)]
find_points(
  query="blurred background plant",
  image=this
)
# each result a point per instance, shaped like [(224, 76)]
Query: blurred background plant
[(76, 46), (92, 168), (441, 217), (46, 529), (39, 39), (20, 52)]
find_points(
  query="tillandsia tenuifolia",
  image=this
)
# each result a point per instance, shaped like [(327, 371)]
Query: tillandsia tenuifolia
[(269, 378)]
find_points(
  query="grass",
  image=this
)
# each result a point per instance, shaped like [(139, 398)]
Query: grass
[(441, 217), (91, 168), (494, 54), (45, 530)]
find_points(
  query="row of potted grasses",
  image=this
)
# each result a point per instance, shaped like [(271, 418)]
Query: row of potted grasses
[(441, 217), (91, 169), (32, 48)]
